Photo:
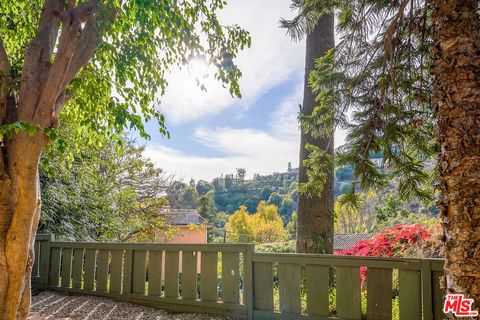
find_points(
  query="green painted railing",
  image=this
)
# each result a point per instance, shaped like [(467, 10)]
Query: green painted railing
[(231, 279)]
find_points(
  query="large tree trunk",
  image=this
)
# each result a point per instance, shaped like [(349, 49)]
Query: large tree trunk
[(38, 103), (19, 214), (315, 213), (456, 32)]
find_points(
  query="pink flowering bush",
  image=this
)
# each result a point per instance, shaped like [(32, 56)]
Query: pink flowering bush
[(399, 241)]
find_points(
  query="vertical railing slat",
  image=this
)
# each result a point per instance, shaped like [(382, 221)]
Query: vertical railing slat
[(208, 276), (230, 277), (263, 286), (348, 292), (379, 293), (426, 285), (438, 296), (116, 272), (77, 271), (289, 282), (44, 264), (36, 262), (89, 269), (247, 284), (155, 273), (66, 267), (189, 275), (410, 300), (139, 271), (317, 290), (102, 271), (127, 272), (54, 276), (171, 274)]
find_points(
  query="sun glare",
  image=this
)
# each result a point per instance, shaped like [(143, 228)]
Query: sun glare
[(198, 68)]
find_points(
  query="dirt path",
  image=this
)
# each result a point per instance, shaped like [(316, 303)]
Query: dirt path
[(56, 306)]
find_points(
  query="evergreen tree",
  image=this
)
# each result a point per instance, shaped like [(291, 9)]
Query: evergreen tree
[(206, 206), (241, 173), (406, 70), (315, 203)]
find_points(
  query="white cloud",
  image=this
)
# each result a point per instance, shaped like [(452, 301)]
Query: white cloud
[(285, 117), (259, 151), (272, 59)]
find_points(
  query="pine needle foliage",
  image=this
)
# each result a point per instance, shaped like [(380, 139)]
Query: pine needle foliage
[(378, 79)]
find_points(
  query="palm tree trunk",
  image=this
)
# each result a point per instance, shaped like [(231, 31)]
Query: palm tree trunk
[(315, 213), (456, 68)]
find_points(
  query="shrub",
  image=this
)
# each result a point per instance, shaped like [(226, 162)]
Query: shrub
[(398, 241)]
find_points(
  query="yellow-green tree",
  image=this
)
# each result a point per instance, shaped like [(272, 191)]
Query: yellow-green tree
[(267, 224), (239, 227), (264, 226)]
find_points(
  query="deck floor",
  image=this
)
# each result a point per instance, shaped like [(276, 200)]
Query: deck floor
[(57, 306)]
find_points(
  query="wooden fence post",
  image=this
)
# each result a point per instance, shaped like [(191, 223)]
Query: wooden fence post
[(44, 266), (427, 300), (248, 280)]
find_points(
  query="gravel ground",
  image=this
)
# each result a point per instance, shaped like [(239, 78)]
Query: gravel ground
[(57, 306)]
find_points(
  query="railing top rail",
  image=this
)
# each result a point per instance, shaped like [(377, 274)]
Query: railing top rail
[(44, 237), (230, 247), (335, 260), (437, 264)]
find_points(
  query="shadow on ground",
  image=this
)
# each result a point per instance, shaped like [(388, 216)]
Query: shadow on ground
[(57, 306)]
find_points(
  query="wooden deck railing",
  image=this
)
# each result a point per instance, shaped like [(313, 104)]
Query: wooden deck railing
[(231, 279)]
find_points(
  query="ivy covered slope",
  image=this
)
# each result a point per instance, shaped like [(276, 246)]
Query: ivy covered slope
[(105, 61)]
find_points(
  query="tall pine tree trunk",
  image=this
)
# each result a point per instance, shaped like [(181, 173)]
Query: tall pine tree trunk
[(315, 213), (456, 32)]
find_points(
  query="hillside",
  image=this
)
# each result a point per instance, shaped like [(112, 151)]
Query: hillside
[(225, 194), (230, 191)]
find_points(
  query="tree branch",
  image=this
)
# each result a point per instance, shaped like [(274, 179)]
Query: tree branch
[(392, 28), (74, 52), (5, 71), (4, 63), (85, 10), (70, 37), (37, 59), (84, 50), (90, 36)]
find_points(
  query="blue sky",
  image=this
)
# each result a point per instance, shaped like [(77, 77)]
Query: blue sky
[(213, 133)]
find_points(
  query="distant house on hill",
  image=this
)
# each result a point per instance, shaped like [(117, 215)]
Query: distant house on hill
[(189, 226), (344, 241)]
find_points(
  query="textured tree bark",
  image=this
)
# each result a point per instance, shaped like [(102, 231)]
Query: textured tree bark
[(456, 32), (19, 212), (38, 102), (315, 213)]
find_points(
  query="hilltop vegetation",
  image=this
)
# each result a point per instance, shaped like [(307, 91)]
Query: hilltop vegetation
[(86, 199), (224, 195), (228, 192)]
